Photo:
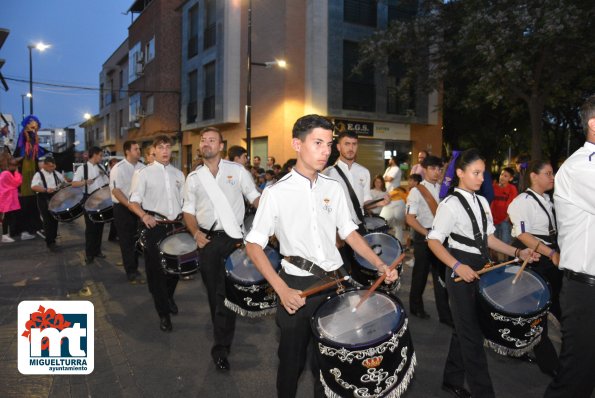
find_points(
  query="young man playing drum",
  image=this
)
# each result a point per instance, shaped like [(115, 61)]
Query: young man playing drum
[(304, 210), (214, 212), (156, 191), (45, 183)]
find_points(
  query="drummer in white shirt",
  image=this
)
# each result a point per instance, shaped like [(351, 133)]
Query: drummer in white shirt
[(305, 210), (574, 201), (126, 221), (92, 176), (45, 183)]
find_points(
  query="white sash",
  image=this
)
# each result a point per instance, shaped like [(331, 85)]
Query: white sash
[(223, 211)]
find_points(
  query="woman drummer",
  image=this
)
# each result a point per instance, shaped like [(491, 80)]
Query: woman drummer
[(465, 219), (534, 225)]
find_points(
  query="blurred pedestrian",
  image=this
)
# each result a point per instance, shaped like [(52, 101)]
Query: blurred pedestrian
[(418, 168), (392, 174), (10, 180), (238, 155), (270, 163), (256, 162), (504, 193), (377, 191)]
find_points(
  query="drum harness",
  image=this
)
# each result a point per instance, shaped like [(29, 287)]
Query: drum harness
[(354, 200), (552, 236), (45, 185)]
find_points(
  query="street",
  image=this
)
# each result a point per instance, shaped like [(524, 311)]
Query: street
[(133, 358)]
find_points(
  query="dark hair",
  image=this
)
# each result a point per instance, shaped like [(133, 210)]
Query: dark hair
[(305, 124), (424, 151), (161, 139), (211, 129), (378, 177), (509, 170), (270, 172), (235, 151), (416, 177), (346, 133), (128, 144), (93, 151), (432, 161), (257, 157), (463, 161), (49, 160), (535, 166), (277, 166), (272, 158), (289, 164), (395, 160), (587, 112)]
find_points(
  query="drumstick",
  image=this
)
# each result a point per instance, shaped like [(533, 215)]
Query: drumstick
[(488, 269), (209, 236), (378, 282), (320, 288), (520, 271)]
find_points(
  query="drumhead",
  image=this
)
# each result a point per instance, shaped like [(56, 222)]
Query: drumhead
[(529, 294), (373, 223), (178, 244), (387, 247), (336, 321), (241, 268), (65, 199), (99, 200)]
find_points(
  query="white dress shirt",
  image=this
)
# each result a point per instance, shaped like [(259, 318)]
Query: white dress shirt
[(121, 177), (359, 178), (158, 188), (574, 200), (395, 173), (527, 216), (417, 205), (93, 172), (451, 217), (49, 179), (305, 218), (235, 183)]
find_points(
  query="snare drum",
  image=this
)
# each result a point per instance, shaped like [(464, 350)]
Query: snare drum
[(375, 224), (99, 205), (247, 292), (388, 248), (512, 316), (179, 253), (363, 353), (67, 204)]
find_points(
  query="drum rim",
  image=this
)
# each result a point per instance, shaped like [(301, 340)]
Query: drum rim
[(171, 235), (324, 340), (235, 280), (546, 307), (376, 233)]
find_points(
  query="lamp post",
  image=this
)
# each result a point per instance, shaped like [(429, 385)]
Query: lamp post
[(249, 63), (41, 47), (28, 95)]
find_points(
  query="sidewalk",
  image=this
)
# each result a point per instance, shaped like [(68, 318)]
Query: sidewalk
[(133, 358)]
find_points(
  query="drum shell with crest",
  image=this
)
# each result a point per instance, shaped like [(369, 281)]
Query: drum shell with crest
[(179, 253), (511, 316), (247, 292), (67, 203), (366, 352), (99, 206), (388, 248)]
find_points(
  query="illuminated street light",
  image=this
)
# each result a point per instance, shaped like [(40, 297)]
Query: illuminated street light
[(41, 47)]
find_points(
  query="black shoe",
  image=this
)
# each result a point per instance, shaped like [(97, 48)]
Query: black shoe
[(173, 308), (100, 255), (89, 259), (222, 364), (448, 322), (165, 324), (420, 314), (456, 391)]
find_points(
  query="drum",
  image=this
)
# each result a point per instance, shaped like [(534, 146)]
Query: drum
[(247, 292), (363, 353), (67, 204), (99, 205), (512, 316), (375, 224), (179, 253), (388, 248)]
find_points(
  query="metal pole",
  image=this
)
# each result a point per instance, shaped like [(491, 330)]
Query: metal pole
[(30, 79), (249, 86), (23, 105)]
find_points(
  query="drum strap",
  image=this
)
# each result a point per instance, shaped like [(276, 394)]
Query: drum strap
[(86, 177), (45, 183), (354, 201), (481, 239), (552, 227)]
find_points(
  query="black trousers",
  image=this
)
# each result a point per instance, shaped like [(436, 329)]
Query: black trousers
[(50, 224), (126, 223), (466, 358), (162, 286), (212, 270), (29, 220), (93, 237), (10, 222), (296, 340), (576, 375), (426, 261), (346, 252)]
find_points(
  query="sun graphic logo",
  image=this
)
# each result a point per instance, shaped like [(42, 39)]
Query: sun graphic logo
[(56, 337)]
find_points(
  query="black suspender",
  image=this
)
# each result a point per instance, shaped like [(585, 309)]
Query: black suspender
[(85, 177), (356, 205), (44, 182), (553, 232), (480, 240)]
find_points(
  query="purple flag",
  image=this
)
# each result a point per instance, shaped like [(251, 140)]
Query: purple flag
[(449, 175)]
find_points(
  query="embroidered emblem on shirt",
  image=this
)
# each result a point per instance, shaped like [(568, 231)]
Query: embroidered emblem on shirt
[(230, 180), (327, 206)]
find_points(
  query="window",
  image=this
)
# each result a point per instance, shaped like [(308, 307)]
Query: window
[(402, 10), (397, 102), (107, 131), (134, 108), (210, 32), (359, 91), (193, 31), (121, 84), (121, 127), (150, 108), (361, 12), (192, 107), (208, 104), (150, 50), (101, 99), (135, 62)]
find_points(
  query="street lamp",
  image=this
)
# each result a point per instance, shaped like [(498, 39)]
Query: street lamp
[(28, 95), (249, 63), (41, 47)]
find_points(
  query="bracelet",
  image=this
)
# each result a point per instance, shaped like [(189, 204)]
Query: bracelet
[(552, 253), (454, 268)]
